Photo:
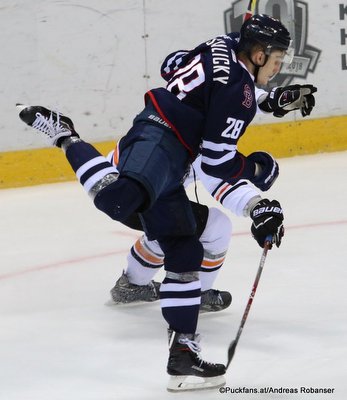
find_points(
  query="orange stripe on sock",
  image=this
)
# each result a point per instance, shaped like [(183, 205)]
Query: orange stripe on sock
[(212, 264), (146, 255), (116, 156)]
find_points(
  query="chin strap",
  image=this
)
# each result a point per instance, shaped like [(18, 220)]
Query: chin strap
[(256, 72), (257, 67)]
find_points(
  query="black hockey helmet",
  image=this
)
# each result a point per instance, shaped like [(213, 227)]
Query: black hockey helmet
[(267, 31)]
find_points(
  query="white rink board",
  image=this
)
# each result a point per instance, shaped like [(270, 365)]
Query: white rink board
[(95, 60)]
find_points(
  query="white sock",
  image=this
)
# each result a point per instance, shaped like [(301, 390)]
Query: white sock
[(144, 261)]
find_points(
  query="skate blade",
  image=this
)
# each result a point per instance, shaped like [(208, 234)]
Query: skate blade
[(21, 107), (111, 303), (185, 383)]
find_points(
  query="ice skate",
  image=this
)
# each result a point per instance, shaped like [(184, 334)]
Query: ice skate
[(53, 125), (186, 369), (125, 292), (213, 300)]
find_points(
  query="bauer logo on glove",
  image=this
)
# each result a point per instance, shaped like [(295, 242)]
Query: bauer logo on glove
[(257, 211), (267, 219)]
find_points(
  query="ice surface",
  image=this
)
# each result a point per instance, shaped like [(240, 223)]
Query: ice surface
[(60, 257)]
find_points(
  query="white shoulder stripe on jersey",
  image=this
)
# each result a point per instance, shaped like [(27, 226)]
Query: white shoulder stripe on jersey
[(191, 64), (168, 67)]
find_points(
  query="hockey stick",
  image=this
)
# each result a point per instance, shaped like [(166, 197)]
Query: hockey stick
[(250, 10), (233, 344)]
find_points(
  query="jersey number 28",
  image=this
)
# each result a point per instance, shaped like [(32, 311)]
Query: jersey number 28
[(234, 128)]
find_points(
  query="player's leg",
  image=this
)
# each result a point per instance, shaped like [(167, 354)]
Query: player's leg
[(180, 290), (119, 196), (215, 239), (170, 220), (145, 258), (138, 186), (136, 283)]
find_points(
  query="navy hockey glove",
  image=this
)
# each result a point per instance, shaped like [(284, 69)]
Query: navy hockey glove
[(267, 219), (282, 100), (266, 172)]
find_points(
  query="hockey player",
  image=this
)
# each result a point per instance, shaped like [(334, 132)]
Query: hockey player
[(214, 229), (146, 257), (205, 108)]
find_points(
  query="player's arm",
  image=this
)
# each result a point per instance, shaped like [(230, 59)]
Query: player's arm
[(234, 197), (221, 158), (244, 200)]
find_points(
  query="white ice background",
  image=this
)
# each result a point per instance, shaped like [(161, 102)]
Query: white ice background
[(60, 257)]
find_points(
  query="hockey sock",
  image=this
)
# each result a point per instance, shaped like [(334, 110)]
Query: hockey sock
[(215, 239), (144, 261), (116, 198), (180, 303), (207, 279), (209, 269), (89, 165), (180, 292)]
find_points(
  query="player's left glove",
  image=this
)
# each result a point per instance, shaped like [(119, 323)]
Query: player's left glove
[(282, 100), (267, 219), (267, 170)]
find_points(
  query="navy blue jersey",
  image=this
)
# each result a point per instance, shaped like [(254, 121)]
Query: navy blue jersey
[(209, 101)]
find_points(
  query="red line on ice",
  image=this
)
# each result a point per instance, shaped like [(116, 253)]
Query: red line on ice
[(59, 264)]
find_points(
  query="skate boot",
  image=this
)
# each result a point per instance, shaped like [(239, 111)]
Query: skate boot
[(53, 125), (188, 371), (214, 300), (125, 292)]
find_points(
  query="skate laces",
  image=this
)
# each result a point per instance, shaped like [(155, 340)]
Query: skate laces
[(195, 348), (48, 125), (192, 344)]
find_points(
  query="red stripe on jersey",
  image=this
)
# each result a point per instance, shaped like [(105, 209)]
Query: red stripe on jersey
[(162, 115), (221, 191), (241, 169)]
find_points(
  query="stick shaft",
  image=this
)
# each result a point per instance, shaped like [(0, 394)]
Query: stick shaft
[(233, 344), (254, 289)]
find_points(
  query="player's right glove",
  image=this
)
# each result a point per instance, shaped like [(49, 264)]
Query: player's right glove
[(282, 100), (267, 219)]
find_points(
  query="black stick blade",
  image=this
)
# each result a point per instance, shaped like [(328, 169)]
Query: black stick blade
[(231, 352)]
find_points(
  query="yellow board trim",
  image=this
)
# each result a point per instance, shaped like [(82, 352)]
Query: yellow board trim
[(37, 166), (297, 138)]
